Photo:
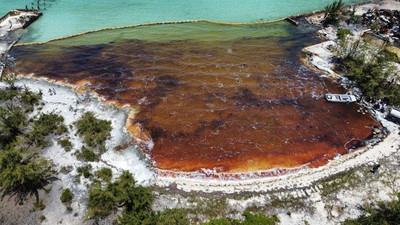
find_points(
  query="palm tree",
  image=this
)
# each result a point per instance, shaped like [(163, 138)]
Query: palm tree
[(332, 12)]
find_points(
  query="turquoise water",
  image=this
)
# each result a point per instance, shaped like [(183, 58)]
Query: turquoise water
[(66, 17)]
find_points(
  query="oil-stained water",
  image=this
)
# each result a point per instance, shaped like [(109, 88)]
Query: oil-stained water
[(230, 98)]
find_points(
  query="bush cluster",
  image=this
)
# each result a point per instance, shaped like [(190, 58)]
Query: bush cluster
[(45, 125), (250, 219), (22, 171), (106, 197), (87, 155), (383, 213), (333, 12), (374, 78), (94, 131), (66, 144)]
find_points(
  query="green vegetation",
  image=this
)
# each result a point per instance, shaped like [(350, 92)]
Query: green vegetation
[(38, 206), (8, 94), (250, 219), (375, 78), (104, 199), (22, 176), (172, 216), (42, 218), (105, 174), (30, 98), (374, 26), (85, 171), (12, 123), (87, 155), (11, 91), (384, 213), (66, 196), (94, 131), (343, 33), (333, 12), (22, 172), (370, 69), (45, 125), (66, 144)]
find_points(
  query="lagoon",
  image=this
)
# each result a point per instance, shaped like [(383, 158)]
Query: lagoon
[(66, 17)]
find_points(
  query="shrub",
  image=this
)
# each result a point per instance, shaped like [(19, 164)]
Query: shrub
[(105, 174), (222, 221), (48, 123), (87, 155), (85, 171), (7, 94), (374, 26), (11, 90), (101, 202), (384, 213), (255, 219), (135, 200), (30, 98), (12, 123), (38, 206), (42, 218), (66, 196), (66, 144), (23, 175), (45, 125), (172, 216), (342, 34), (93, 130)]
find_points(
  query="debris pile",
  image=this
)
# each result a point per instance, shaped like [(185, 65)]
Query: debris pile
[(384, 23)]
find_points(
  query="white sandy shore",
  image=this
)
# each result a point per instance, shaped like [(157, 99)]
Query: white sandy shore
[(66, 102)]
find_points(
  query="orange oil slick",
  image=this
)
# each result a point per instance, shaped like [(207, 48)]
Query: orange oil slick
[(233, 106)]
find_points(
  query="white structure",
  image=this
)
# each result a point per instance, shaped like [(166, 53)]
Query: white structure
[(346, 98)]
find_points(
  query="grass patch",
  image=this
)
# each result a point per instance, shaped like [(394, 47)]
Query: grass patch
[(210, 207), (339, 181)]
